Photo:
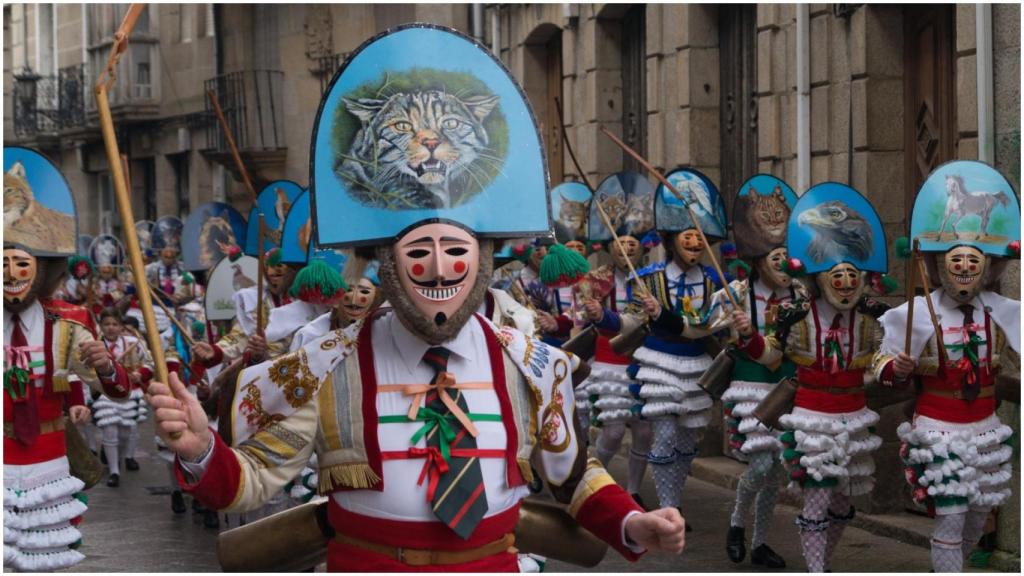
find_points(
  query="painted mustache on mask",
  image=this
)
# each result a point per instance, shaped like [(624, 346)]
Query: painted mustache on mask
[(436, 283)]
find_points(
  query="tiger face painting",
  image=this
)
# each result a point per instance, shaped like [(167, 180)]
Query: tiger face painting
[(421, 149)]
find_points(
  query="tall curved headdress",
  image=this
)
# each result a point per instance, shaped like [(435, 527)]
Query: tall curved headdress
[(570, 209), (965, 202), (144, 231), (297, 244), (670, 215), (167, 233), (831, 224), (39, 209), (274, 202), (210, 230), (106, 250), (422, 123), (628, 200), (760, 215), (225, 279)]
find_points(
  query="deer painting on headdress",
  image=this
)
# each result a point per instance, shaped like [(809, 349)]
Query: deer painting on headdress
[(960, 202)]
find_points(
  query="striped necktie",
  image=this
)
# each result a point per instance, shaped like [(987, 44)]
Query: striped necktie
[(459, 499)]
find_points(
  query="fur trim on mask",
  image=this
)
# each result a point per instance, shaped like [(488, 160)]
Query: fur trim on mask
[(416, 321)]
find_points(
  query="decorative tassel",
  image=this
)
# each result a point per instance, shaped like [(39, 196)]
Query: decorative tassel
[(81, 267), (272, 257), (739, 269), (794, 267), (1013, 249), (234, 252), (902, 247), (650, 240), (882, 284), (358, 476), (187, 278), (562, 267), (318, 283), (522, 252)]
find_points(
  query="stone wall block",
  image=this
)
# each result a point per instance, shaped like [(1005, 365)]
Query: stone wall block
[(668, 83), (839, 116), (883, 44), (967, 149), (673, 32), (786, 14), (681, 82), (766, 16), (589, 33), (680, 137), (885, 185), (839, 168), (765, 66), (704, 77), (608, 54), (1005, 26), (790, 56), (654, 26), (838, 53), (965, 27), (820, 49), (702, 25), (568, 100), (768, 127), (860, 131), (778, 61), (655, 139), (821, 167), (967, 94), (885, 113), (654, 86), (1006, 93), (704, 134), (603, 96), (787, 124), (858, 42), (821, 113)]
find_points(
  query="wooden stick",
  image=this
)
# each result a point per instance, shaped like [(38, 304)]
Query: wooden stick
[(911, 276), (260, 276), (231, 145), (940, 346), (121, 192), (693, 217), (171, 316), (600, 209)]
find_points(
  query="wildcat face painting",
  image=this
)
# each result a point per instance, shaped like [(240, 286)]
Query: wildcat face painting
[(38, 207), (760, 213), (403, 135)]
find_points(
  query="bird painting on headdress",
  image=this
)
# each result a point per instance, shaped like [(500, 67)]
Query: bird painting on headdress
[(695, 191), (840, 233)]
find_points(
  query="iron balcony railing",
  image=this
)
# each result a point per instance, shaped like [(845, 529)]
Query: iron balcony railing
[(253, 107), (326, 67), (36, 107)]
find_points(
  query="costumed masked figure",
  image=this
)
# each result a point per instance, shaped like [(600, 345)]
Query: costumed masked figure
[(165, 275), (118, 421), (677, 299), (835, 235), (102, 288), (957, 452), (424, 417), (46, 343), (610, 397), (551, 306), (760, 215)]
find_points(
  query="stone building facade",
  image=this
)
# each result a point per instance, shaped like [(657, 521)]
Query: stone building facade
[(888, 92)]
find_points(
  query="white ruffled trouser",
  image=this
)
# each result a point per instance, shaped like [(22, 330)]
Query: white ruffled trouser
[(39, 505), (616, 406)]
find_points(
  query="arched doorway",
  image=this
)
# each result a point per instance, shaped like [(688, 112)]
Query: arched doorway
[(543, 84)]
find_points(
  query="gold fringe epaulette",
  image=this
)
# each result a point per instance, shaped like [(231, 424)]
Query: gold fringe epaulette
[(358, 475), (525, 469)]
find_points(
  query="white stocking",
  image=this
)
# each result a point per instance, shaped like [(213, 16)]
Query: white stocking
[(133, 441), (687, 448), (640, 436), (814, 523), (840, 512), (750, 485), (110, 447), (764, 509), (664, 459), (609, 441), (974, 525), (947, 554)]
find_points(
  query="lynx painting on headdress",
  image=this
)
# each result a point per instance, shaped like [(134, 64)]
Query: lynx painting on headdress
[(30, 223), (762, 216), (614, 207), (572, 217)]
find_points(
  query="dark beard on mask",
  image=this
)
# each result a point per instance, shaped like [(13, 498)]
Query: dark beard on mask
[(50, 274), (955, 291), (434, 331)]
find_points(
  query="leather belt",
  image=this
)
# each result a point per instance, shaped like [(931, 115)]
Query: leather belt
[(50, 426), (985, 392), (835, 389), (417, 557)]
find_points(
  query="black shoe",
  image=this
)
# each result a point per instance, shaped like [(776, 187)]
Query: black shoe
[(763, 555), (131, 464), (211, 519), (114, 481), (735, 544), (178, 502), (103, 457), (638, 500), (688, 527)]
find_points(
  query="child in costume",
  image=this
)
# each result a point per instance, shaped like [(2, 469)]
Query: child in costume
[(835, 235), (956, 450), (432, 476), (47, 343)]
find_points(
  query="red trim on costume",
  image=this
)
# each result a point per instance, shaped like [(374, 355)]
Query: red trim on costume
[(565, 326), (823, 401), (218, 357), (46, 447), (77, 395), (753, 346), (69, 312), (118, 385), (496, 356), (344, 558), (955, 409), (603, 352), (602, 514), (220, 482), (146, 374), (368, 372)]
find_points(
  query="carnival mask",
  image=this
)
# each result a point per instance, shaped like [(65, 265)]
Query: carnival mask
[(20, 269), (963, 272), (357, 302), (169, 256), (688, 248), (770, 269), (106, 271), (538, 254), (577, 246), (437, 266), (279, 278), (842, 285), (632, 249)]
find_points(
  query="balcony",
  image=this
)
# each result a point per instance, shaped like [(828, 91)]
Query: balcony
[(36, 108), (326, 66), (251, 101), (135, 95)]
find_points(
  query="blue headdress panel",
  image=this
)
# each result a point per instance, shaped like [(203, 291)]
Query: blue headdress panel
[(628, 200), (167, 233), (274, 202), (831, 224), (296, 241), (670, 215), (570, 206), (405, 135), (210, 230), (965, 202), (760, 215), (39, 209)]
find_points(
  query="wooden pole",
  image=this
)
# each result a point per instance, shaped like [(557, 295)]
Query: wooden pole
[(261, 275), (940, 347), (171, 316), (600, 209), (693, 217), (911, 276), (124, 206), (231, 145)]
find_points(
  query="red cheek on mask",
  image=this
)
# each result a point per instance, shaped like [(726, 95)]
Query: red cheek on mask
[(460, 267), (956, 267), (837, 284), (973, 267), (854, 282), (362, 299), (23, 274), (417, 269)]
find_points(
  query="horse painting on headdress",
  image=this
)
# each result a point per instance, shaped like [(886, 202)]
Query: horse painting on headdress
[(960, 202)]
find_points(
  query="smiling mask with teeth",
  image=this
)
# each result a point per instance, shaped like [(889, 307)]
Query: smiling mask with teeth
[(20, 269), (435, 279), (842, 285), (962, 273), (770, 269), (359, 301)]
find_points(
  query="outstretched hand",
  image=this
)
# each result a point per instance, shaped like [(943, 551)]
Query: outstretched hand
[(662, 530), (180, 420)]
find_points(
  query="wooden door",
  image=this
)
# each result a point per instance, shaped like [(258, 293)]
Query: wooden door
[(738, 96), (634, 85), (929, 89), (551, 122)]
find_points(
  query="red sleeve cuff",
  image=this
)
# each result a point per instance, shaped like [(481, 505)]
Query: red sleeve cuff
[(564, 326), (77, 396), (118, 385), (218, 357), (146, 374), (753, 346), (219, 484), (888, 375), (603, 513)]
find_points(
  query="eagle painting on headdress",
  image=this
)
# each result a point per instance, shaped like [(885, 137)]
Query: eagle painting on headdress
[(840, 233)]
